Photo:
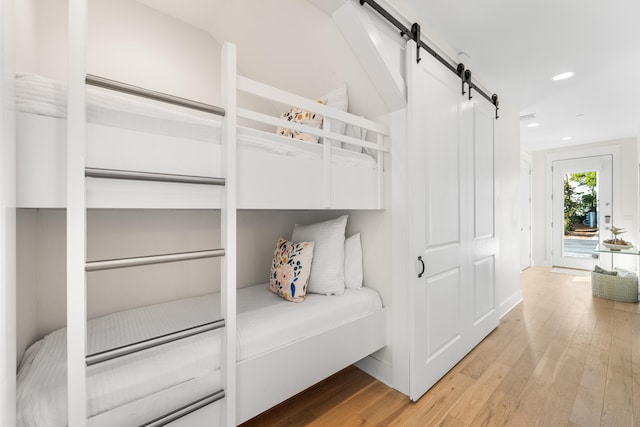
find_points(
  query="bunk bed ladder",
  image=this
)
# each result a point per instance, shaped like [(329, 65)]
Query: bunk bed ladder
[(78, 267)]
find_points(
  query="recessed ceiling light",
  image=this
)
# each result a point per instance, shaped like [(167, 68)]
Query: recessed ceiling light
[(567, 138), (579, 114), (563, 76), (532, 125)]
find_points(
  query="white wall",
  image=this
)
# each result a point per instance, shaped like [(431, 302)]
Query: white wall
[(27, 278), (136, 44), (126, 41), (7, 219), (508, 292), (26, 35), (625, 191), (526, 162), (290, 44)]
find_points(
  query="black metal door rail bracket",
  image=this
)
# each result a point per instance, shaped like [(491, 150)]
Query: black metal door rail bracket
[(414, 34)]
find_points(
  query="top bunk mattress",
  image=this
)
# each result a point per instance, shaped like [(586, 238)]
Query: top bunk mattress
[(45, 97), (265, 323)]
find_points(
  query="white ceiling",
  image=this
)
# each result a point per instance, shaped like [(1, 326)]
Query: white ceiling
[(518, 46), (515, 47)]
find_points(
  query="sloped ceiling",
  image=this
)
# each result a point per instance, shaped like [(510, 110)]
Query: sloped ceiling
[(290, 44), (516, 47), (513, 47)]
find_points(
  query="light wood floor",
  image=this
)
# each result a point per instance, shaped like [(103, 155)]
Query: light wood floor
[(560, 358)]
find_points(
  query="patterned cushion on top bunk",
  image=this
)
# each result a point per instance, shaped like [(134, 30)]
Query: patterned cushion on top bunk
[(290, 269), (327, 266), (298, 115)]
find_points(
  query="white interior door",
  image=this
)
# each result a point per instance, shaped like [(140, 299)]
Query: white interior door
[(481, 240), (572, 250), (452, 221), (525, 215)]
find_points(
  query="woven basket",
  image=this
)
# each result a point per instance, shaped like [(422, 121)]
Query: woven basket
[(617, 288)]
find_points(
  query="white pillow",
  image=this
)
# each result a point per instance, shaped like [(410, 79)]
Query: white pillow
[(353, 274), (327, 266), (357, 133), (338, 99)]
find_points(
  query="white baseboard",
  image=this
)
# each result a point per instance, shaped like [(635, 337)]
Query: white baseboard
[(510, 303), (377, 369)]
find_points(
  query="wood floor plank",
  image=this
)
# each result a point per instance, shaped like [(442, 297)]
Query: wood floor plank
[(348, 411), (536, 390), (388, 408), (561, 358), (505, 398), (450, 421), (587, 408), (617, 409), (635, 366), (475, 397), (560, 399), (318, 400), (434, 407)]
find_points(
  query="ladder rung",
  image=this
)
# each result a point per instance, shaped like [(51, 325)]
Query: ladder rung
[(151, 259), (152, 94), (135, 347), (151, 176), (185, 410)]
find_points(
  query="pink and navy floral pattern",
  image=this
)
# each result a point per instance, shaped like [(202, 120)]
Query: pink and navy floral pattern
[(290, 269), (298, 115)]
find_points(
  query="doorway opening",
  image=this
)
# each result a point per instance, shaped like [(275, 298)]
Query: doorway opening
[(580, 207), (582, 193)]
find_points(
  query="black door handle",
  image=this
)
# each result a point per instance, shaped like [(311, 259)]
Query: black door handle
[(421, 262)]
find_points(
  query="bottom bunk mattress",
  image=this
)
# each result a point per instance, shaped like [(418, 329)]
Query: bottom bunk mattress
[(265, 322)]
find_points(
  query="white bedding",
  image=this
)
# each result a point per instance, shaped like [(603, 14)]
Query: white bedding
[(265, 322), (41, 96)]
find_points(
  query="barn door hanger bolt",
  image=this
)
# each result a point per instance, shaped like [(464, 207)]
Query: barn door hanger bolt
[(415, 36), (467, 80), (460, 69), (494, 99)]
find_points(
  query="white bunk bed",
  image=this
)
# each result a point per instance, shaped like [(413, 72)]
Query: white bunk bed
[(166, 173), (127, 134), (269, 332)]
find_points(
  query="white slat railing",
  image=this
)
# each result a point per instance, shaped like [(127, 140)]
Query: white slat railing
[(273, 94)]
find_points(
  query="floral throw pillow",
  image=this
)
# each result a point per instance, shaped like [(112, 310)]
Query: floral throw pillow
[(303, 117), (290, 269)]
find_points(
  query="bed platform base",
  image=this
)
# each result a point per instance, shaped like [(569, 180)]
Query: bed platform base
[(265, 380), (269, 379)]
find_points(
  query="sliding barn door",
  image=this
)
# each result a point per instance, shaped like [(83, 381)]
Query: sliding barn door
[(452, 221), (482, 243)]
